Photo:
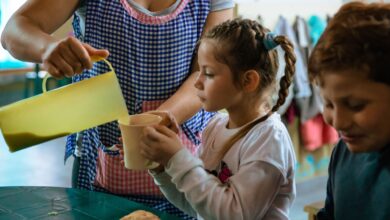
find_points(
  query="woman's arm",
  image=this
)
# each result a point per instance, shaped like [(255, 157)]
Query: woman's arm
[(28, 32), (27, 36), (184, 103)]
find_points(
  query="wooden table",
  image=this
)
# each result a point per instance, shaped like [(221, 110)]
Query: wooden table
[(16, 71), (313, 208)]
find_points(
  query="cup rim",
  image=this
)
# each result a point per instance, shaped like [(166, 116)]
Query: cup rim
[(124, 120)]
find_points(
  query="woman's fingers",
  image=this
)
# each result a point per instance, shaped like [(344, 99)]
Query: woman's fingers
[(95, 52), (69, 56), (58, 59), (65, 68), (81, 52), (52, 70)]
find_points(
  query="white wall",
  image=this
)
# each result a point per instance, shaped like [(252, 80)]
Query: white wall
[(7, 8), (270, 10), (369, 1)]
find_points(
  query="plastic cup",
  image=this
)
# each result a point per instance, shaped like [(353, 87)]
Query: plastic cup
[(131, 128)]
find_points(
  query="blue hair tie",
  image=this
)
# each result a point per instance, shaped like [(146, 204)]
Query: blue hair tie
[(269, 42)]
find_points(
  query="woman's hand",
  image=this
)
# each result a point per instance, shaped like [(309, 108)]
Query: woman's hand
[(159, 143), (69, 56), (167, 119)]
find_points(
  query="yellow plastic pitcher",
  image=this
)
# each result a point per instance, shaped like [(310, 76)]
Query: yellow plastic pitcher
[(63, 111)]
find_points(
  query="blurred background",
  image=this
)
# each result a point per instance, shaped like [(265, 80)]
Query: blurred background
[(301, 20)]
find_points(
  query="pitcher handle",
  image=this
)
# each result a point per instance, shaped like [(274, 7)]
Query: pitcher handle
[(94, 59)]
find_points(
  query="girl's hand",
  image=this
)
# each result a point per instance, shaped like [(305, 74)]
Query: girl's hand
[(69, 56), (159, 144), (119, 147), (167, 119)]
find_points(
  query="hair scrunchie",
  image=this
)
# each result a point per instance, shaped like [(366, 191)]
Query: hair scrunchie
[(269, 42)]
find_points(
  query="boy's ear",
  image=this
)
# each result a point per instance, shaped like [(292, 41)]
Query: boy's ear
[(250, 80)]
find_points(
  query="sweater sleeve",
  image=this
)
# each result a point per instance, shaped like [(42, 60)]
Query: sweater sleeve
[(239, 199), (169, 190)]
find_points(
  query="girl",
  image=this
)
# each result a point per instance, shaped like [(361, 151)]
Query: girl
[(351, 65), (246, 169)]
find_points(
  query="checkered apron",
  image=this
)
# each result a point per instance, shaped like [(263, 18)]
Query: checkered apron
[(152, 58)]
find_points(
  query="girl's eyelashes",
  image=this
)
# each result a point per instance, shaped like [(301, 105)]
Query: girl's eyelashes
[(208, 74)]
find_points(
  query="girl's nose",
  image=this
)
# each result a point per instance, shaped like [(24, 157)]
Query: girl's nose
[(198, 82)]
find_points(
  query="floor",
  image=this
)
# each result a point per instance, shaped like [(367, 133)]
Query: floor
[(43, 165)]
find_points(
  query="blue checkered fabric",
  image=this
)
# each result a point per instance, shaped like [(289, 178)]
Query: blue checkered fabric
[(151, 62)]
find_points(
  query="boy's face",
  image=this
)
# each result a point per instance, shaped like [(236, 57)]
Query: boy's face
[(358, 108), (215, 85)]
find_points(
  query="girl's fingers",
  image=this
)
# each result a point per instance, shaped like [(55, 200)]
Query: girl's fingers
[(151, 134), (167, 120), (145, 150), (120, 144), (121, 154), (165, 130)]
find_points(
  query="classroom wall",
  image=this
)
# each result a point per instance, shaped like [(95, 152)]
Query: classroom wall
[(369, 1), (270, 10)]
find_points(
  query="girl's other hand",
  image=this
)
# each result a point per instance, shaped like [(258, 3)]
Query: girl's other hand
[(118, 148), (168, 120), (158, 169), (69, 56), (159, 143)]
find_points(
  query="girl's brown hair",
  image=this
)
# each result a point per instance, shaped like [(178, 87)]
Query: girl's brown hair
[(357, 37), (241, 47)]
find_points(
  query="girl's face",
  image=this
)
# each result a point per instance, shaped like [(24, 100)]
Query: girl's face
[(215, 85), (358, 108)]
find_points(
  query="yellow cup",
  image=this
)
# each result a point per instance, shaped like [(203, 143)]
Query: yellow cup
[(131, 129), (66, 110)]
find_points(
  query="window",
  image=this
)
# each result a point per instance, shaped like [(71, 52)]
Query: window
[(7, 8)]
